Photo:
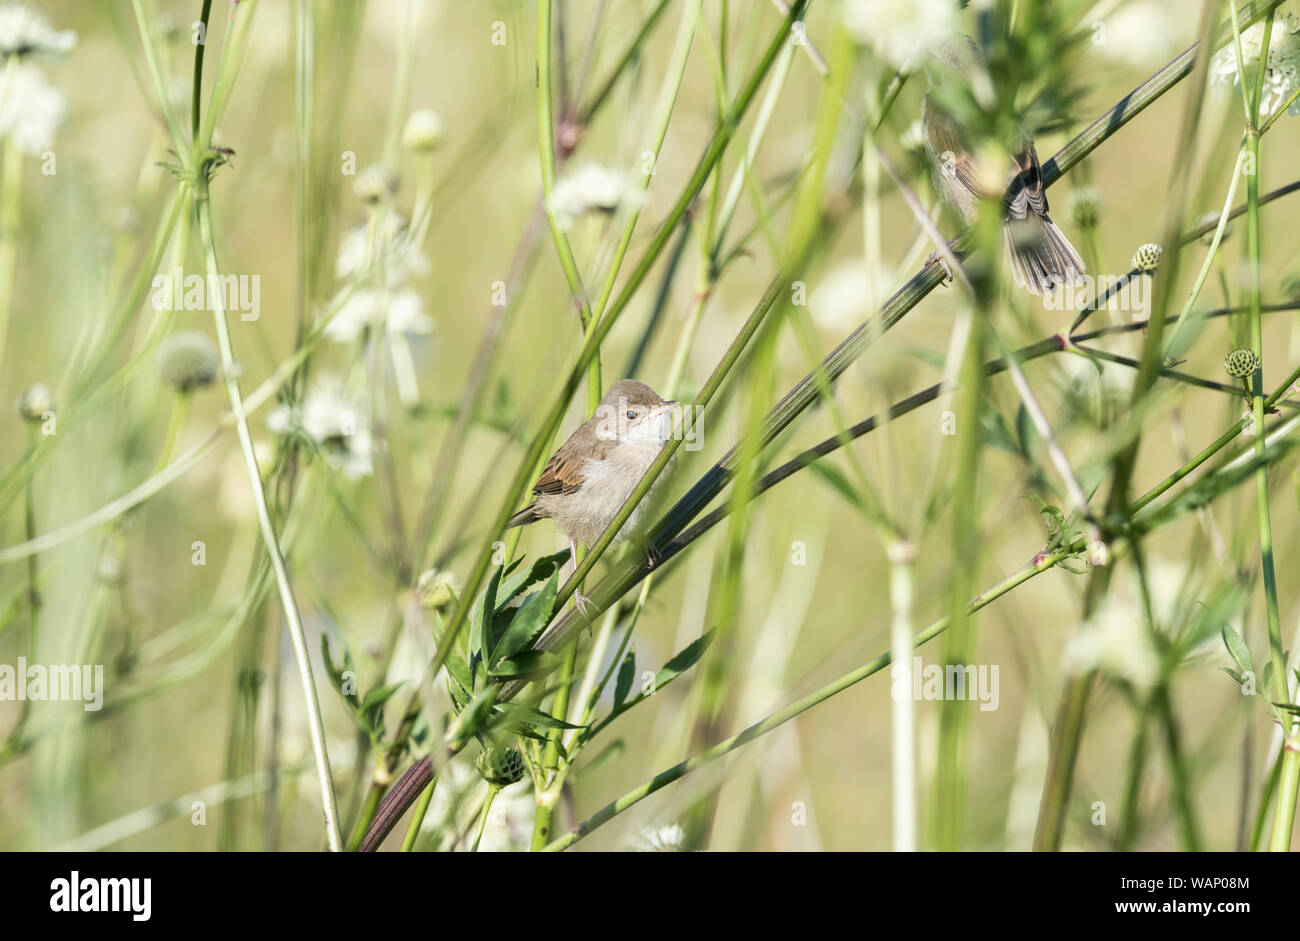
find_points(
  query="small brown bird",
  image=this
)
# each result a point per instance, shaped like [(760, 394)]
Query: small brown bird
[(587, 481), (1041, 256)]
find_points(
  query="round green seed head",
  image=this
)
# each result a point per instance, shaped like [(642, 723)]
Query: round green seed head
[(1241, 363), (36, 403), (1147, 257), (187, 361), (500, 766)]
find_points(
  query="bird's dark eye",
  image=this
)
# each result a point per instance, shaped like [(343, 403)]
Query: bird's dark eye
[(631, 413)]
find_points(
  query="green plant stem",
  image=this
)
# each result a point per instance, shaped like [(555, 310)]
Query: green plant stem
[(290, 606), (196, 91), (546, 149), (483, 816), (902, 564), (417, 817)]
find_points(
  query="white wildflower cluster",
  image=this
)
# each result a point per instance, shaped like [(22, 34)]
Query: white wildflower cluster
[(31, 109), (383, 254), (24, 31), (901, 32), (591, 188), (1282, 68), (668, 838), (1147, 33), (335, 422)]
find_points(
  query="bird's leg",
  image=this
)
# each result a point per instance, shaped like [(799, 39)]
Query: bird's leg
[(943, 263), (580, 601)]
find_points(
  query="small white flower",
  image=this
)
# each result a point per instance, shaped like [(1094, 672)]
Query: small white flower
[(1144, 34), (590, 188), (399, 311), (374, 184), (663, 839), (901, 32), (839, 302), (31, 109), (1282, 72), (424, 132), (336, 422), (395, 251), (25, 31)]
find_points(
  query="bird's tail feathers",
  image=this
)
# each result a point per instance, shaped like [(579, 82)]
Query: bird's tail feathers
[(1041, 256), (525, 516)]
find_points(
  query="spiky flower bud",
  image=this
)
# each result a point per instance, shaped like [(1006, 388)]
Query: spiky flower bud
[(1241, 363), (374, 184), (424, 132), (500, 766), (1147, 257), (187, 361), (1085, 207), (36, 403)]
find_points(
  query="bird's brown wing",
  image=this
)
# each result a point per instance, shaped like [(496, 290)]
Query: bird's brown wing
[(1026, 193), (563, 472), (949, 151)]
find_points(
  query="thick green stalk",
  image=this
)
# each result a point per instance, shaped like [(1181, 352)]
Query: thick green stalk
[(290, 606)]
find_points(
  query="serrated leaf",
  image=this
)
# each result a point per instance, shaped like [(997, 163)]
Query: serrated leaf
[(529, 621), (458, 673), (533, 718), (1237, 648), (684, 660), (626, 674)]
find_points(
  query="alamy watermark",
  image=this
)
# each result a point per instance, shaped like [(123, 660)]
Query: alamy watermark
[(953, 681), (34, 682), (229, 292)]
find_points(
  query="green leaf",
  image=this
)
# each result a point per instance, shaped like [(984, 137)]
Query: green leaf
[(529, 621), (458, 673), (380, 695), (1026, 432), (684, 660), (626, 673), (1237, 649), (996, 432), (528, 721), (527, 663), (474, 717)]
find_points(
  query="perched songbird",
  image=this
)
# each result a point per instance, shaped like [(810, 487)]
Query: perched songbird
[(1041, 257), (587, 481)]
